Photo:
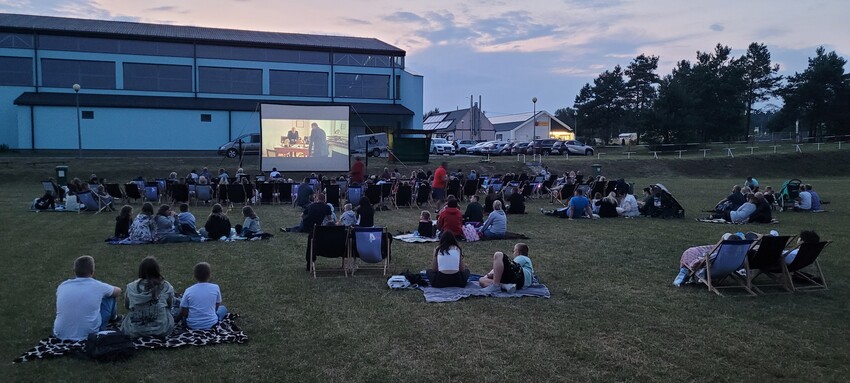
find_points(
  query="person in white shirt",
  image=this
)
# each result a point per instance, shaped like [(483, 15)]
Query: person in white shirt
[(628, 205), (804, 201), (84, 305), (201, 302), (448, 268), (275, 174)]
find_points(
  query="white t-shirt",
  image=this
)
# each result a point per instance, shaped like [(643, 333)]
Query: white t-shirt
[(629, 205), (805, 200), (78, 307), (449, 261), (201, 299)]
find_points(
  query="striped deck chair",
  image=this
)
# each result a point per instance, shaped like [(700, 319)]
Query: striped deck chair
[(723, 262)]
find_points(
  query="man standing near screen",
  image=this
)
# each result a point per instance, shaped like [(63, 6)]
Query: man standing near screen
[(318, 142), (292, 136)]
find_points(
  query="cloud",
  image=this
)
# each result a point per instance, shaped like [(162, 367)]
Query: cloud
[(404, 17), (716, 27), (349, 20)]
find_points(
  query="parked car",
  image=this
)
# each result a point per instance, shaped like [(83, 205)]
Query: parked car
[(464, 145), (506, 150), (572, 147), (540, 146), (519, 148), (441, 146), (244, 144), (493, 148), (478, 147)]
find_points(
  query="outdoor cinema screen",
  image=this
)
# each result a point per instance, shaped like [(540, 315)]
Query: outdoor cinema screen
[(304, 138)]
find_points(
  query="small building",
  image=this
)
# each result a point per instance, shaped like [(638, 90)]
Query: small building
[(461, 124), (521, 127)]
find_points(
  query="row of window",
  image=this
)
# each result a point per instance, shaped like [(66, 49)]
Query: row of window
[(18, 71), (157, 48)]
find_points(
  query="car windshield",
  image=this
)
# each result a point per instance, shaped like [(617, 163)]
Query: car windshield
[(578, 143), (439, 141)]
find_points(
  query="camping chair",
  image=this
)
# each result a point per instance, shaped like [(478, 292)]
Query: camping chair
[(132, 191), (180, 193), (768, 256), (236, 195), (343, 187), (373, 193), (203, 193), (163, 184), (332, 194), (250, 191), (284, 192), (268, 193), (565, 193), (327, 242), (91, 202), (152, 192), (723, 261), (371, 245), (453, 188), (403, 195), (807, 255), (114, 191), (353, 195)]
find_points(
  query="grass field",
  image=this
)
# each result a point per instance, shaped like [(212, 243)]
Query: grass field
[(613, 314)]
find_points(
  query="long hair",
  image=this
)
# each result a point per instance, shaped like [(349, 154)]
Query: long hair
[(126, 212), (147, 208), (163, 209), (365, 205), (248, 212), (447, 240), (150, 278)]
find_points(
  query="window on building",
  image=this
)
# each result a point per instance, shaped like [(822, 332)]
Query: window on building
[(356, 59), (87, 115), (362, 85), (206, 117), (15, 40), (100, 45), (230, 80), (16, 71), (397, 86), (293, 83), (89, 74), (158, 77), (262, 54)]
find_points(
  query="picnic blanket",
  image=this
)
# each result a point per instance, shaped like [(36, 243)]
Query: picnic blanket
[(226, 331), (473, 289), (411, 238), (721, 220)]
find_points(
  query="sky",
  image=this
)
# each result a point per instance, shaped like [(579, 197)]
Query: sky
[(509, 51)]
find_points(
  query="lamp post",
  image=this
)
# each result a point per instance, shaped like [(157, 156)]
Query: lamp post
[(534, 128), (575, 123), (76, 88)]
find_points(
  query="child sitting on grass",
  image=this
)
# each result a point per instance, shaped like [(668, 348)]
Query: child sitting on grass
[(251, 226), (348, 216), (123, 222), (426, 226), (201, 302)]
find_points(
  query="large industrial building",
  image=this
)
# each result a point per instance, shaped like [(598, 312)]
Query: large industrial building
[(152, 87)]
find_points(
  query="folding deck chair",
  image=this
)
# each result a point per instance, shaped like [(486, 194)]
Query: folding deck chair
[(268, 193), (723, 261), (203, 193), (807, 255), (332, 194), (768, 256), (403, 195), (180, 193), (470, 188), (423, 194), (91, 202), (236, 195), (454, 188), (114, 191), (152, 192), (48, 188), (373, 193), (327, 242), (132, 191), (370, 245), (353, 195), (284, 192)]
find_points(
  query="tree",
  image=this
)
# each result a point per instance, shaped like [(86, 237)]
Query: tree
[(601, 105), (819, 96), (432, 112), (761, 79), (640, 90), (717, 87), (568, 115)]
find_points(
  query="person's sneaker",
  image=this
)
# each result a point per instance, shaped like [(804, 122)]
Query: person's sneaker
[(284, 229), (683, 273), (494, 288), (509, 287)]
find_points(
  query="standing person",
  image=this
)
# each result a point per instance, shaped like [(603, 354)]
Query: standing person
[(218, 224), (496, 224), (318, 142), (143, 228), (509, 274), (358, 171), (148, 301), (438, 186), (292, 136), (83, 305), (448, 268), (201, 302)]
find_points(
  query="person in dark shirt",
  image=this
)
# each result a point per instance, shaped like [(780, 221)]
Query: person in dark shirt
[(314, 214), (123, 221), (517, 203), (365, 213), (305, 192), (474, 211), (763, 213), (733, 201), (218, 224), (608, 206)]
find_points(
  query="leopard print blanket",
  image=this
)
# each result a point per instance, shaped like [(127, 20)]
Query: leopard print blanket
[(226, 331)]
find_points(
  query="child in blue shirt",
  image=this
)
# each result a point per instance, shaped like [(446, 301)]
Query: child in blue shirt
[(201, 302)]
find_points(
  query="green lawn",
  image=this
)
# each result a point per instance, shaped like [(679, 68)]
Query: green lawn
[(613, 314)]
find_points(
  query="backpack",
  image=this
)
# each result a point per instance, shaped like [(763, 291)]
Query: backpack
[(108, 346)]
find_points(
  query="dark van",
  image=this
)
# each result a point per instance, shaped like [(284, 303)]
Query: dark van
[(244, 144)]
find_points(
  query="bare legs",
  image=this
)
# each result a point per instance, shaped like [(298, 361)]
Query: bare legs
[(494, 277)]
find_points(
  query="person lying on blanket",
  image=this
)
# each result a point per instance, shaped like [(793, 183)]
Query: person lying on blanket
[(201, 302), (509, 274), (83, 305)]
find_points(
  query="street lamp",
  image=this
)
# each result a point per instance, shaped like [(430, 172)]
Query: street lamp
[(76, 88), (534, 127), (575, 123)]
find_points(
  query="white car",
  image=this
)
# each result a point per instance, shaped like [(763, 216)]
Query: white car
[(479, 147), (464, 145), (441, 146)]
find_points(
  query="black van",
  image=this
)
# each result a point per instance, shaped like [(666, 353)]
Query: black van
[(541, 146), (246, 143)]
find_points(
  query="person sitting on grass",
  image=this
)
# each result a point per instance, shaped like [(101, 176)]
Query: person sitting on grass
[(365, 213), (143, 228), (509, 274), (804, 200), (305, 193), (251, 226), (313, 215), (447, 267), (426, 226), (763, 213), (450, 218), (806, 236), (186, 223), (594, 203), (628, 205), (474, 212), (496, 224), (489, 199), (123, 222), (742, 214), (608, 206), (84, 305), (517, 202), (201, 302), (218, 224), (815, 198), (166, 226), (348, 217), (148, 301)]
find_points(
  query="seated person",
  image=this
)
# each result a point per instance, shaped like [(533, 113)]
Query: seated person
[(815, 198), (646, 201), (806, 236), (752, 183), (577, 207), (594, 203), (166, 226), (742, 215), (451, 219), (123, 222), (365, 213), (474, 211), (47, 201), (804, 200), (305, 193), (763, 213), (496, 224), (426, 226), (250, 228), (314, 214), (448, 268), (517, 203), (608, 206), (143, 228), (628, 205), (769, 196), (84, 305), (692, 261), (148, 301), (348, 216), (186, 221), (489, 199), (218, 224), (201, 302), (509, 274)]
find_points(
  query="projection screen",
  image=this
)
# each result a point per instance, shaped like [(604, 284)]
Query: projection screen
[(304, 138)]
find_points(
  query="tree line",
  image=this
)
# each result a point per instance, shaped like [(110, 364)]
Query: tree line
[(713, 98)]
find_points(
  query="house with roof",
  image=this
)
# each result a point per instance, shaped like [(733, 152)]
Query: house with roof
[(461, 124), (524, 127), (156, 86)]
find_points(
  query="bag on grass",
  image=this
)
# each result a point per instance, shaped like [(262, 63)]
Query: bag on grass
[(470, 233), (108, 346)]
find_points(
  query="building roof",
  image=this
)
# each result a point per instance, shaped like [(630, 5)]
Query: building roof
[(512, 121), (182, 33), (445, 121), (189, 103)]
